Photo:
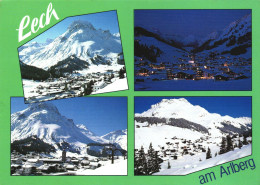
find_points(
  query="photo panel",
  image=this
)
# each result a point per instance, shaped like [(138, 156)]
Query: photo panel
[(80, 55), (193, 50), (182, 135), (69, 137)]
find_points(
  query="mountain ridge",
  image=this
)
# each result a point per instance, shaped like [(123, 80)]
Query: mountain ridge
[(80, 39), (234, 39), (44, 121), (182, 109)]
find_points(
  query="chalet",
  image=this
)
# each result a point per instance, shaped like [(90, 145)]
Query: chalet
[(85, 162), (35, 162), (51, 161), (28, 169), (75, 161), (94, 165), (70, 167), (99, 85), (16, 161), (104, 159)]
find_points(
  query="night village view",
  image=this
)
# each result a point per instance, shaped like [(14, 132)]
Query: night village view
[(169, 58)]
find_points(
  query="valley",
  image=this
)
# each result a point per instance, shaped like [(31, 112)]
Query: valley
[(45, 142), (164, 61), (82, 60)]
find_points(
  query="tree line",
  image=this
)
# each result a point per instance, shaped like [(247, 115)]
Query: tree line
[(146, 163)]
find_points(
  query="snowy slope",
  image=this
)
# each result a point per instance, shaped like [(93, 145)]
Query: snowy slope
[(170, 45), (45, 121), (81, 39), (84, 130), (181, 133), (181, 108), (233, 39), (117, 85), (189, 164), (168, 50), (172, 37), (119, 137), (158, 135), (118, 168)]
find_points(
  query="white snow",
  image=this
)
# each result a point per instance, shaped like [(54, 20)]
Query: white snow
[(170, 141), (118, 168), (181, 108), (188, 164), (119, 137), (117, 85), (158, 135), (81, 39), (45, 121)]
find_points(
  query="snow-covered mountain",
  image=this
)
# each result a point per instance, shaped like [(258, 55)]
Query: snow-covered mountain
[(176, 111), (184, 41), (44, 121), (163, 46), (188, 138), (235, 39), (81, 39), (84, 130), (119, 137)]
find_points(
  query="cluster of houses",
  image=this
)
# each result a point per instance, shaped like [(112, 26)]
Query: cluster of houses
[(71, 85), (178, 147), (194, 67), (37, 164)]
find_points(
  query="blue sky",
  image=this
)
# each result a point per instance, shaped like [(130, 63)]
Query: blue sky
[(187, 22), (102, 20), (232, 106), (100, 114)]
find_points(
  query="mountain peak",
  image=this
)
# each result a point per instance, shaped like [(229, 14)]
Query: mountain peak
[(80, 24), (81, 40), (43, 106), (170, 101), (81, 126)]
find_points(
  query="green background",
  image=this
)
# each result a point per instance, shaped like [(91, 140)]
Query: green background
[(11, 13)]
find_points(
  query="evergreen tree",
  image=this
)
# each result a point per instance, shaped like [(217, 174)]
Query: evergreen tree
[(245, 142), (122, 73), (152, 160), (89, 88), (208, 154), (169, 165), (223, 146), (229, 144), (146, 164), (66, 86), (240, 144), (140, 165)]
